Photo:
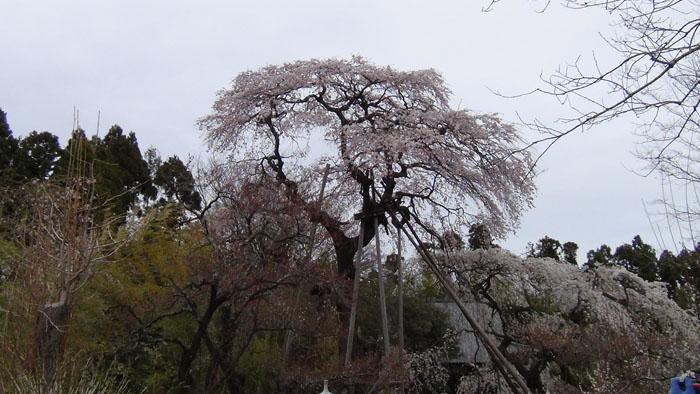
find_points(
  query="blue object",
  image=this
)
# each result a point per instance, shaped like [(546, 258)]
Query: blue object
[(682, 387)]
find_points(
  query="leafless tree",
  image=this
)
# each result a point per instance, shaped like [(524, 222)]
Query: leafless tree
[(652, 81), (60, 239)]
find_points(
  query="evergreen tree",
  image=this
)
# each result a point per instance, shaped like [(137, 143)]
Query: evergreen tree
[(673, 271), (121, 174), (121, 170), (78, 158), (569, 251), (638, 257), (153, 161), (37, 155), (8, 147), (599, 257), (693, 275), (546, 247), (480, 237), (177, 182)]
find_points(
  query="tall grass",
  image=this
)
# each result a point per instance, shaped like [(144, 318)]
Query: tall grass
[(75, 379)]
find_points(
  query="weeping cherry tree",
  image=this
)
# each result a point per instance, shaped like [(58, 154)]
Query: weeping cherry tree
[(393, 144)]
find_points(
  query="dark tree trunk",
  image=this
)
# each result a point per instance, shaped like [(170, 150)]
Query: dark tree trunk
[(344, 246), (345, 249), (50, 337), (185, 382)]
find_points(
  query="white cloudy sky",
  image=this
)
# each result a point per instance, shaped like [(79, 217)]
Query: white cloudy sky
[(154, 66)]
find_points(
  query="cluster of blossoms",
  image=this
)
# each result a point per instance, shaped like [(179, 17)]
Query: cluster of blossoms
[(395, 127), (426, 372), (568, 329)]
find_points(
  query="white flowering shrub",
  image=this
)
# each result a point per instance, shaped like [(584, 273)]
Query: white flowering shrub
[(426, 374), (484, 380), (572, 330)]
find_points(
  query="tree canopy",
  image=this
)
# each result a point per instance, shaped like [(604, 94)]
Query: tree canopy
[(37, 155), (8, 144), (552, 248), (388, 130)]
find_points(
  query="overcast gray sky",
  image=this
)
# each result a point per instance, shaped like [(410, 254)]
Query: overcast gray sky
[(154, 67)]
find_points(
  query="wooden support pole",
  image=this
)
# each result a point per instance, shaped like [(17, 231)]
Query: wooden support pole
[(402, 344), (399, 257), (382, 299), (512, 376), (382, 292), (355, 296)]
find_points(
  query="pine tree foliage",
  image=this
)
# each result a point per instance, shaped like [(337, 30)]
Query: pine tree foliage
[(8, 145)]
